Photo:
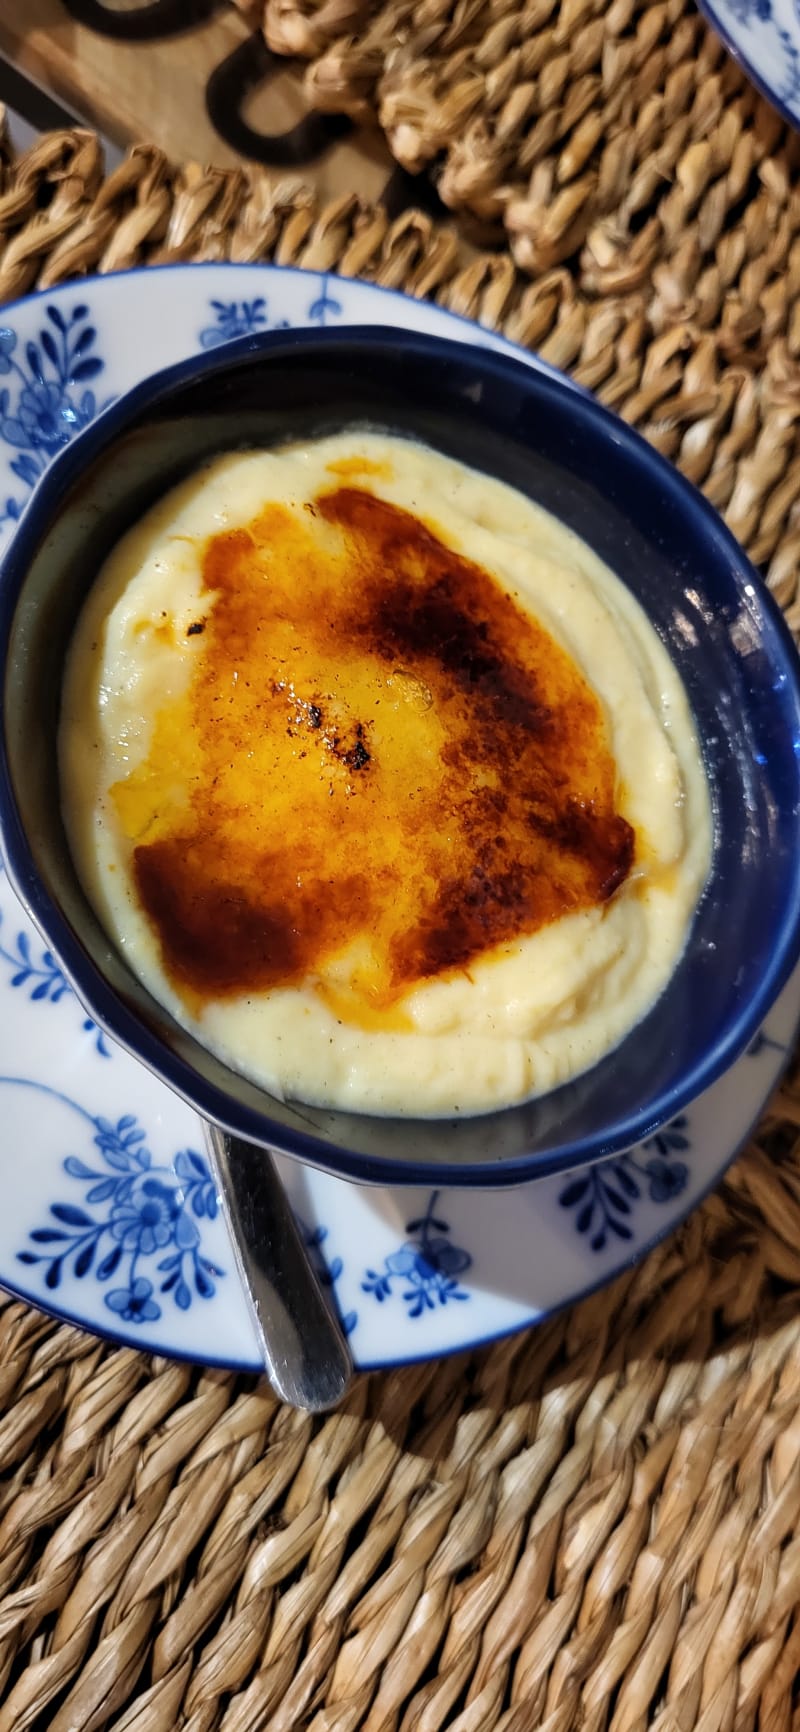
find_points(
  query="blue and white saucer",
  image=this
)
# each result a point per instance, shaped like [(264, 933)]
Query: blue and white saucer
[(109, 1216)]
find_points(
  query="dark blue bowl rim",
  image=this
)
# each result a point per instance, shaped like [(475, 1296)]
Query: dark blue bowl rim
[(128, 1030)]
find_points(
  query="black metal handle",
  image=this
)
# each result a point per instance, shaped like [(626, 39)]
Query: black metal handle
[(142, 23), (250, 65)]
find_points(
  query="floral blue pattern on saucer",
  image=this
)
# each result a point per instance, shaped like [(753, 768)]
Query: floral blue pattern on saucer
[(764, 36), (426, 1267), (135, 1214), (109, 1214), (47, 399)]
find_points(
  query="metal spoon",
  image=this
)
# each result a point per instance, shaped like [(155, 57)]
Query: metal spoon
[(305, 1354)]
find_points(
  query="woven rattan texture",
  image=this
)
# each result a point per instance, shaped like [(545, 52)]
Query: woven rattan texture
[(617, 134), (597, 1524)]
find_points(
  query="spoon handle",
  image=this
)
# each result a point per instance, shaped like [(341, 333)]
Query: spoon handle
[(304, 1351)]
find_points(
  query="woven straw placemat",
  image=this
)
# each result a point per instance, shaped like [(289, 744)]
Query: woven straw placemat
[(615, 131), (593, 1525)]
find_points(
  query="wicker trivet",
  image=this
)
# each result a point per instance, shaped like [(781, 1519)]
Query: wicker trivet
[(592, 1525)]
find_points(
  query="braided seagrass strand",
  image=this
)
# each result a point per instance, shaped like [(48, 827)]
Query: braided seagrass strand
[(592, 1526), (621, 134)]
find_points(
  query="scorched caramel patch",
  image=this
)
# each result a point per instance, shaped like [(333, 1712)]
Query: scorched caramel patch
[(380, 756)]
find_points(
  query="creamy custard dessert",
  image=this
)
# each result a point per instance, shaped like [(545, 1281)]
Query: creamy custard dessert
[(383, 783)]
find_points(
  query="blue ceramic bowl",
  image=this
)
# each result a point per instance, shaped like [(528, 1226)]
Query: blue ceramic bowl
[(711, 609)]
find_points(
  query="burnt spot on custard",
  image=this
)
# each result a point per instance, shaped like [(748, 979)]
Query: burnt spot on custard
[(383, 767)]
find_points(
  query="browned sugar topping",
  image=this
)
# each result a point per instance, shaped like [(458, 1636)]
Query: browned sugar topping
[(381, 761)]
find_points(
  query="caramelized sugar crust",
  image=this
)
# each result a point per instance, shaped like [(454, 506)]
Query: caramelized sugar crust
[(382, 769)]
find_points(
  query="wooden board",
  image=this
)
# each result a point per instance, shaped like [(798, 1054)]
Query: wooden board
[(155, 91)]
